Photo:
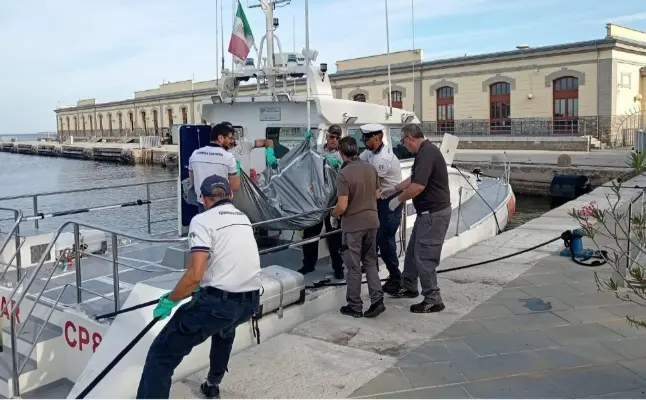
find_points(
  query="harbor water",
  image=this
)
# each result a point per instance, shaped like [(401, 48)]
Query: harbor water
[(26, 174)]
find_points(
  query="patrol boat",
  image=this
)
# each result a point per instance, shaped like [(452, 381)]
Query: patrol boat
[(56, 337)]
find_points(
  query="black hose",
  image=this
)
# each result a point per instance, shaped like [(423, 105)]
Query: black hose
[(124, 310), (116, 360)]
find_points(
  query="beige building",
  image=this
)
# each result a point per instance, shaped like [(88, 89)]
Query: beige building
[(597, 88)]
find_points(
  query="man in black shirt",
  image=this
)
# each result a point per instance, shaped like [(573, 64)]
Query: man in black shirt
[(428, 186)]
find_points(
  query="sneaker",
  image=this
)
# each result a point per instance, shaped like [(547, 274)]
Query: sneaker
[(304, 270), (210, 391), (346, 310), (375, 309), (403, 293), (338, 274), (391, 286), (425, 307)]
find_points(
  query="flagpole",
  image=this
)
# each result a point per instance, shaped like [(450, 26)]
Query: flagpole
[(217, 46), (222, 31), (307, 63), (233, 23)]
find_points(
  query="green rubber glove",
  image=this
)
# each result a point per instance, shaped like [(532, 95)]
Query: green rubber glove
[(272, 161), (164, 307), (333, 161), (197, 289), (308, 134), (238, 168)]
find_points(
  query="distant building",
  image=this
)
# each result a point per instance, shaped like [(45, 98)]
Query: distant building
[(596, 88)]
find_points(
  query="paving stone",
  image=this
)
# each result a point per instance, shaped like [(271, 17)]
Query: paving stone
[(600, 299), (530, 386), (521, 322), (439, 392), (630, 349), (596, 380), (512, 342), (487, 310), (388, 381), (462, 328), (634, 394), (622, 327), (438, 350), (637, 366), (435, 374), (506, 294), (554, 290), (627, 309), (531, 305), (575, 355), (586, 315), (588, 287), (555, 278), (496, 366), (519, 282), (580, 333), (544, 268)]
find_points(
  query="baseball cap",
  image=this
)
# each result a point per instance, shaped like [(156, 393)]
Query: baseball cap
[(213, 182), (335, 130)]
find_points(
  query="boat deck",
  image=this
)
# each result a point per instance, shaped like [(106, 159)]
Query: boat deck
[(142, 261)]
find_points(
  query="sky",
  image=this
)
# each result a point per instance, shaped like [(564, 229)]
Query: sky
[(57, 52)]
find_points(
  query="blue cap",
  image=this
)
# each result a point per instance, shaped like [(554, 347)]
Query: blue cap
[(212, 182)]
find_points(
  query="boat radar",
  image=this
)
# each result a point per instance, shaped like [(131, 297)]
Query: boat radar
[(274, 71)]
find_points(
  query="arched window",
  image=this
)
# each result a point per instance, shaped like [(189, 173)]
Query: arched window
[(76, 124), (61, 124), (566, 105), (397, 99), (143, 120), (110, 122), (445, 111), (91, 124), (360, 97), (101, 122), (132, 120), (156, 121), (83, 123), (184, 115), (170, 117), (120, 118), (67, 120), (500, 108)]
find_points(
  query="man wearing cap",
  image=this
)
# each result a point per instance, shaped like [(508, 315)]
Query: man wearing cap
[(358, 187), (311, 250), (428, 186), (224, 262), (389, 171), (214, 159), (242, 150)]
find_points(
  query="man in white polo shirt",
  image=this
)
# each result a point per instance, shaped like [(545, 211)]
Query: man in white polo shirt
[(389, 171), (224, 262), (214, 159)]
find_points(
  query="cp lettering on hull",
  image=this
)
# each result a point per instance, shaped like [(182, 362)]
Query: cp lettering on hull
[(77, 336)]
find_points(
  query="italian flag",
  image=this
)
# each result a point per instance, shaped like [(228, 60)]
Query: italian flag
[(241, 37)]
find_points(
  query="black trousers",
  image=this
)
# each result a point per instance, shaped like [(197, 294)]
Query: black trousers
[(311, 250)]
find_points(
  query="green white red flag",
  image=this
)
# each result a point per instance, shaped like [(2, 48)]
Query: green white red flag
[(241, 37)]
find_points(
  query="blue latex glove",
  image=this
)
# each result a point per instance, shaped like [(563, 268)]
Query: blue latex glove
[(164, 307), (308, 134), (333, 161), (238, 168), (272, 161)]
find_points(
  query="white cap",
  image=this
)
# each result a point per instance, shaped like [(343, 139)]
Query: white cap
[(372, 128)]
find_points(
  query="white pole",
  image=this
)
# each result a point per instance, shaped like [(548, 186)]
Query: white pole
[(217, 46), (307, 62), (233, 22), (412, 15), (294, 41), (222, 30), (390, 92)]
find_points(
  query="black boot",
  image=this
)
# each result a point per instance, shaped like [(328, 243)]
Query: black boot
[(375, 309), (403, 293), (305, 270), (346, 310), (424, 307), (392, 286), (210, 391), (338, 274)]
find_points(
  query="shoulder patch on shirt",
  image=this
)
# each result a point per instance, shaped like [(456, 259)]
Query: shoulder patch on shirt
[(381, 167)]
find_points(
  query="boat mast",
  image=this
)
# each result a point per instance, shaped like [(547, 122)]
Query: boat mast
[(268, 7)]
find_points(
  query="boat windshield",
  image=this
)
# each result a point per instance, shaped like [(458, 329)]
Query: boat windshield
[(356, 134), (398, 148), (286, 138)]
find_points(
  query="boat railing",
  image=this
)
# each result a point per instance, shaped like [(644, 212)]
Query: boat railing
[(35, 197)]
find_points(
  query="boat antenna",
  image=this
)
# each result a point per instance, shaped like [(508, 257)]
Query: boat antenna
[(233, 24), (294, 40), (412, 14), (307, 62), (217, 46), (390, 91), (222, 32)]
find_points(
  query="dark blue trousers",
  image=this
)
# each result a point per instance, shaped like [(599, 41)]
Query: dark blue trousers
[(211, 313), (389, 222)]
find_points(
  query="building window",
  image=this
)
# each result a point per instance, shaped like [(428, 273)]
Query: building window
[(397, 99), (170, 117), (67, 121), (156, 121), (76, 124), (143, 120), (360, 97), (184, 115), (132, 120), (398, 148), (120, 118), (445, 110), (500, 108), (61, 124), (83, 123), (566, 105), (110, 123), (91, 124), (101, 122)]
